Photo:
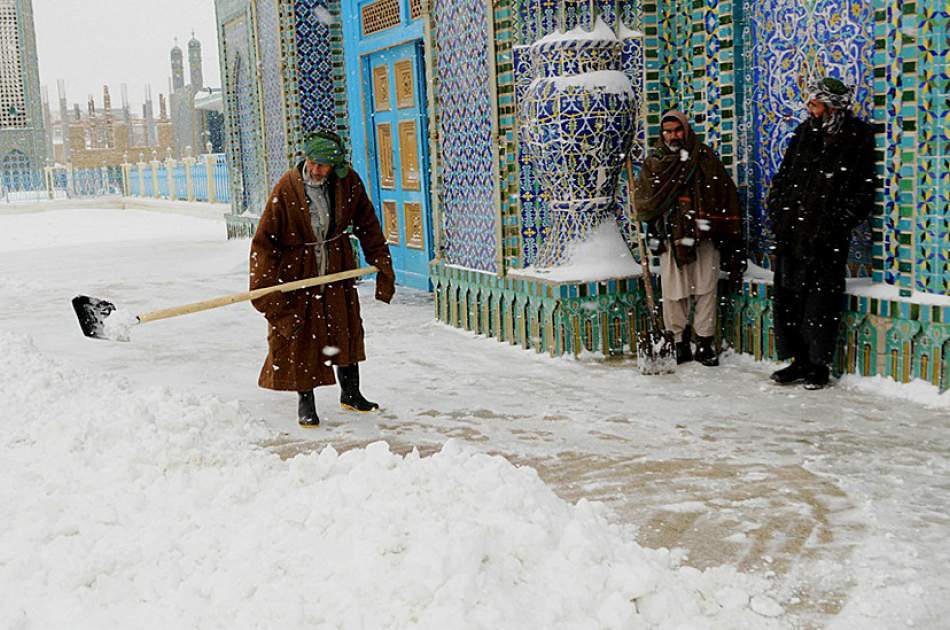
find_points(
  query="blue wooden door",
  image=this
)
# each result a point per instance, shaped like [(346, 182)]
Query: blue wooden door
[(397, 137)]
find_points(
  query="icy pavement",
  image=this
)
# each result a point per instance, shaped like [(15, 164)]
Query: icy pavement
[(839, 498)]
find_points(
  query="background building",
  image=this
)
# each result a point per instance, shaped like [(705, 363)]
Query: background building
[(23, 142), (191, 124), (103, 135)]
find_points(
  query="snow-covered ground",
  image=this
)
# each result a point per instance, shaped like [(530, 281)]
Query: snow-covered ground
[(153, 484)]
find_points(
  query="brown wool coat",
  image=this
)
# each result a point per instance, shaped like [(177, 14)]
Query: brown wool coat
[(303, 323)]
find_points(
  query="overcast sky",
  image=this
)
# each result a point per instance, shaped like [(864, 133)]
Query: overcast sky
[(94, 42)]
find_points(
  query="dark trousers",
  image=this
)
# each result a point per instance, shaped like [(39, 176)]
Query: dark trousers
[(806, 310)]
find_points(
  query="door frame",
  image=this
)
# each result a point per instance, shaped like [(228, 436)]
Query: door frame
[(357, 52)]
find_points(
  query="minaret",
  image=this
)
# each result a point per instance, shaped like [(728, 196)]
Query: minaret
[(151, 137), (64, 118), (162, 110), (106, 101), (127, 115), (47, 123), (178, 68), (194, 63)]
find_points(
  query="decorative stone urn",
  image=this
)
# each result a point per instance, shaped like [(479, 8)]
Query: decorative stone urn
[(580, 115)]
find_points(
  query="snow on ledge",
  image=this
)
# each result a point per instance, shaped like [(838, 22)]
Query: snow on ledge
[(865, 287), (918, 391), (601, 32), (611, 81), (860, 287), (603, 256)]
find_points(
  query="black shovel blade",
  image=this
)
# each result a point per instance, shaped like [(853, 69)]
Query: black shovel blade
[(92, 313)]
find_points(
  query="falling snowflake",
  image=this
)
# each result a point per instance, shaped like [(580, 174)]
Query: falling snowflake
[(323, 16)]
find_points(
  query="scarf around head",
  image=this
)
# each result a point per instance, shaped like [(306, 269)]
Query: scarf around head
[(325, 149), (665, 172), (837, 96), (688, 196)]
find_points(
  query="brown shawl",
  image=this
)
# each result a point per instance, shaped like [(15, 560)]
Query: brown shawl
[(687, 195)]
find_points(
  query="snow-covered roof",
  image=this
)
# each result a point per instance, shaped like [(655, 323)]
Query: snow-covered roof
[(212, 102)]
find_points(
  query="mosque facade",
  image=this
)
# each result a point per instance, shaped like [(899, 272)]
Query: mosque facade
[(23, 143), (492, 138)]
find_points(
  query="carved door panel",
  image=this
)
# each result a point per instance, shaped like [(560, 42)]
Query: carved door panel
[(396, 127)]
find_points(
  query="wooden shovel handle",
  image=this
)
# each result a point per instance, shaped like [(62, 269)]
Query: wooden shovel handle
[(644, 259), (234, 298)]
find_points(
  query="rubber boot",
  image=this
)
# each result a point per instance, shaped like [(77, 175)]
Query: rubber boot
[(307, 410), (706, 352), (792, 373), (350, 396), (817, 376)]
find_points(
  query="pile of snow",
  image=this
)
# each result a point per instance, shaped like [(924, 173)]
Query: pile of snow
[(57, 228), (917, 391), (126, 508), (603, 255)]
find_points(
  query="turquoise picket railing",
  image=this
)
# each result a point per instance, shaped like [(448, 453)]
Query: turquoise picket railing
[(222, 183), (181, 182), (162, 181)]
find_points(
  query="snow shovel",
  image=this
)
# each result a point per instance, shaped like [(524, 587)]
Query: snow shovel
[(656, 347), (94, 314)]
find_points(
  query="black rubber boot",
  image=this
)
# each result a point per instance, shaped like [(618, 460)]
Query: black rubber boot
[(307, 410), (706, 352), (350, 396), (792, 373), (817, 377)]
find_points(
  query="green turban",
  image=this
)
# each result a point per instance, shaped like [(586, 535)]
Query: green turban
[(326, 148)]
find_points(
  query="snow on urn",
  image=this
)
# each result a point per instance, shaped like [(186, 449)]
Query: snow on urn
[(579, 115)]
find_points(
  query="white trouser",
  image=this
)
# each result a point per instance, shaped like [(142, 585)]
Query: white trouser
[(697, 280)]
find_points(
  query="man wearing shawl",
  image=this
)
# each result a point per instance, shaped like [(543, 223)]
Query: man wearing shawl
[(823, 190), (689, 200), (305, 232)]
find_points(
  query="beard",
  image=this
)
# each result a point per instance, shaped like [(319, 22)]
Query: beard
[(315, 176), (674, 145)]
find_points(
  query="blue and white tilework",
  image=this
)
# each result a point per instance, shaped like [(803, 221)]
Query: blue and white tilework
[(534, 222), (245, 134), (314, 67), (272, 89), (577, 127), (467, 153), (532, 23), (788, 42)]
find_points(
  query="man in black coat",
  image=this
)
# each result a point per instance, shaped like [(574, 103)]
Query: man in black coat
[(823, 190)]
